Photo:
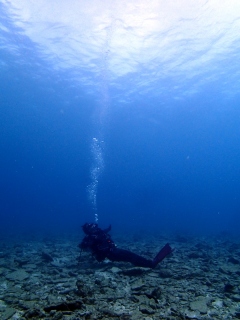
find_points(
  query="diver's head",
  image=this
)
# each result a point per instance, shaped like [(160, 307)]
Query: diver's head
[(90, 228)]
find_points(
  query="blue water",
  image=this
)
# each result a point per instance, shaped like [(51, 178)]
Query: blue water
[(125, 113)]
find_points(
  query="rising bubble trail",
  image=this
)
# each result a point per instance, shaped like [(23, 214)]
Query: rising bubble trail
[(96, 170)]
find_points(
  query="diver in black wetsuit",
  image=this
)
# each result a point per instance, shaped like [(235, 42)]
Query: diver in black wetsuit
[(99, 242)]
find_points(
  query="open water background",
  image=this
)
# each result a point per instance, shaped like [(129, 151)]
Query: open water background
[(125, 113)]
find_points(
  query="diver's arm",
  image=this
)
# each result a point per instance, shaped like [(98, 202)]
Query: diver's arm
[(108, 229)]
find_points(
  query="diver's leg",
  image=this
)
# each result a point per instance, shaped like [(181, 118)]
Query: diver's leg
[(127, 256)]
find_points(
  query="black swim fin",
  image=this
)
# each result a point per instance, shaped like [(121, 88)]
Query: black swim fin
[(166, 250)]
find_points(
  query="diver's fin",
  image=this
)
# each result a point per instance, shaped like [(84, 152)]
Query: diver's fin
[(166, 250)]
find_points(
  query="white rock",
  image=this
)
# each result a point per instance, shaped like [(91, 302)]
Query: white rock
[(217, 303)]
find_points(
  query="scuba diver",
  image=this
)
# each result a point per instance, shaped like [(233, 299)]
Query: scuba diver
[(100, 244)]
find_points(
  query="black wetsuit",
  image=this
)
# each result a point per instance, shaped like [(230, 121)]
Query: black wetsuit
[(99, 242)]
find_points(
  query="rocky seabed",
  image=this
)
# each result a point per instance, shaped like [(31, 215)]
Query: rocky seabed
[(47, 278)]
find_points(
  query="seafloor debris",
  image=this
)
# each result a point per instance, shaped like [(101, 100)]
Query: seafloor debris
[(46, 257), (199, 281)]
